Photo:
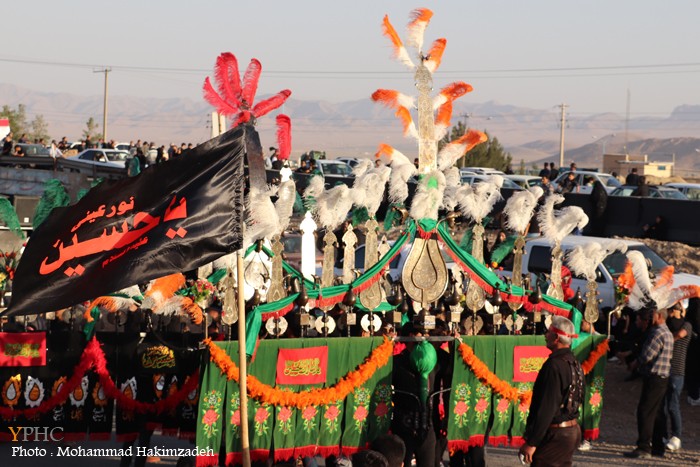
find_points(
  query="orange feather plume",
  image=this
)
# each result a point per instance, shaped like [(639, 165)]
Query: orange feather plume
[(626, 280), (420, 17), (384, 150), (444, 114), (400, 52), (434, 56), (166, 286), (193, 310), (666, 277), (284, 136), (407, 121), (392, 99), (471, 139)]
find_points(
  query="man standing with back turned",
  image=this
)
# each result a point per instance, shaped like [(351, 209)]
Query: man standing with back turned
[(654, 363), (552, 432)]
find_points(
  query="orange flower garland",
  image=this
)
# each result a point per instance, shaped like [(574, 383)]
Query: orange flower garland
[(503, 388), (316, 396)]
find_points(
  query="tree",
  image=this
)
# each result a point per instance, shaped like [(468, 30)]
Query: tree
[(17, 118), (40, 129), (91, 130), (489, 154)]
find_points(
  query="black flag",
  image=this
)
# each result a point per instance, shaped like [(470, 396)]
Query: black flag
[(171, 218)]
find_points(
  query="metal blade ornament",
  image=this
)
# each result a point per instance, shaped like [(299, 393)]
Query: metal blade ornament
[(277, 290), (425, 275), (555, 290), (327, 273), (276, 326), (229, 311), (371, 297), (476, 297), (591, 312), (349, 242), (517, 276)]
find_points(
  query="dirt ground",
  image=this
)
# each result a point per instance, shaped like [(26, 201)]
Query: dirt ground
[(683, 257), (618, 430)]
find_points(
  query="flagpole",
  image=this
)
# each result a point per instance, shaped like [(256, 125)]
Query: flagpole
[(243, 370)]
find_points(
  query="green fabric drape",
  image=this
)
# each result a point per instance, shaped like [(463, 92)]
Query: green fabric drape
[(509, 418), (296, 432)]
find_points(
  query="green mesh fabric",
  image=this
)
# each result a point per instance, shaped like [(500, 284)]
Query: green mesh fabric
[(54, 196), (8, 216)]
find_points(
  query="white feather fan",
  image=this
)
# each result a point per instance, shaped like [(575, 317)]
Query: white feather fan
[(368, 189), (262, 220), (452, 183), (642, 292), (428, 197), (520, 208), (331, 206), (477, 201), (286, 196), (556, 226), (584, 259)]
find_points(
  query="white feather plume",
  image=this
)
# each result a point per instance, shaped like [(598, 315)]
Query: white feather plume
[(262, 220), (556, 226), (585, 259), (331, 206), (402, 169), (643, 290), (428, 199), (452, 183), (368, 189), (477, 201), (520, 207), (362, 167), (286, 197)]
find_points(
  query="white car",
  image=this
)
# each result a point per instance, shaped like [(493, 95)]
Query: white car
[(538, 259), (525, 181), (109, 163), (334, 168), (507, 182), (691, 190), (584, 176)]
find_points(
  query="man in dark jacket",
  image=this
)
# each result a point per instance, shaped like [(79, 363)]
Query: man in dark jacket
[(552, 432)]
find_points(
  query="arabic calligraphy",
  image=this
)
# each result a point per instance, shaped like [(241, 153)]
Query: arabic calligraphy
[(21, 350), (113, 237), (531, 364), (304, 367), (92, 216), (158, 357)]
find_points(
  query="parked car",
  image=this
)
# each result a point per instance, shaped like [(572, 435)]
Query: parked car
[(583, 177), (351, 161), (538, 259), (481, 171), (655, 191), (334, 167), (507, 183), (34, 149), (106, 163), (691, 190), (525, 181)]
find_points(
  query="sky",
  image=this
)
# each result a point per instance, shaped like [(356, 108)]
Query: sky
[(540, 53)]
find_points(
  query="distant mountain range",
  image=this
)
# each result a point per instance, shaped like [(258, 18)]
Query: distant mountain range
[(355, 128)]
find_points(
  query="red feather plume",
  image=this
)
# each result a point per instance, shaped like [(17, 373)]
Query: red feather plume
[(221, 106), (250, 82), (284, 136), (270, 104), (227, 77)]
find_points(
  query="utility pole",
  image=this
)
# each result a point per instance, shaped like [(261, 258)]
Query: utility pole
[(561, 135), (465, 116), (104, 106)]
